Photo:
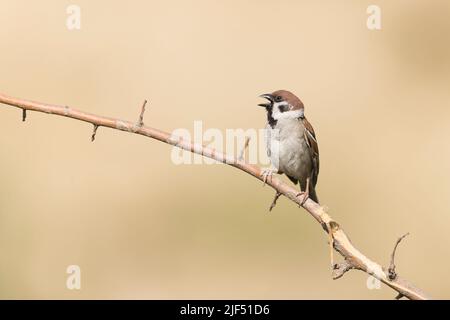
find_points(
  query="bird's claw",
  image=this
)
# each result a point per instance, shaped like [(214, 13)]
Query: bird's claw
[(305, 195), (266, 174)]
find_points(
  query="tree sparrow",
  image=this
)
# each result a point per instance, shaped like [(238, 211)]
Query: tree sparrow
[(291, 142)]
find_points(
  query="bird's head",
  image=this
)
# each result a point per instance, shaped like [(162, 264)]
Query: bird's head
[(282, 104)]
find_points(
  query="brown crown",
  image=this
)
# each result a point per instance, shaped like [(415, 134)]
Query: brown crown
[(290, 98)]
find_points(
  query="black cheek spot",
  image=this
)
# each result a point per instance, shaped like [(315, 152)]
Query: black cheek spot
[(284, 108)]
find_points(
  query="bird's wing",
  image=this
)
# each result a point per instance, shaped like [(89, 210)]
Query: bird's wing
[(310, 138)]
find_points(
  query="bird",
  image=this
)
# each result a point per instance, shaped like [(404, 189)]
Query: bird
[(291, 143)]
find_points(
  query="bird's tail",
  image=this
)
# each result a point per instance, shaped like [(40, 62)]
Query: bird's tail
[(313, 194)]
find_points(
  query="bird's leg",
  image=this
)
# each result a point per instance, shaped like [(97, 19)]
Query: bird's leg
[(268, 173), (305, 193)]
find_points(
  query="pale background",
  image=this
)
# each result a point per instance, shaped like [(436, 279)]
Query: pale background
[(141, 227)]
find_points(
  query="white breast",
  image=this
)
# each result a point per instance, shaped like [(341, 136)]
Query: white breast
[(287, 148)]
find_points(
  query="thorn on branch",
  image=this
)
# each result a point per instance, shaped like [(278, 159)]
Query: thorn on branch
[(141, 116), (274, 202), (94, 132), (242, 153), (339, 269), (399, 296), (24, 115), (391, 271)]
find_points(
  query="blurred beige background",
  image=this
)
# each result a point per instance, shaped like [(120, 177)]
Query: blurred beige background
[(141, 227)]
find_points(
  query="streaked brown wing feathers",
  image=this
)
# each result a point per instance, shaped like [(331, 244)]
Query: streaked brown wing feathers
[(311, 140)]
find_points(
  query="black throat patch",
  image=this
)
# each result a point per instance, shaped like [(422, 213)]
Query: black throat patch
[(272, 122)]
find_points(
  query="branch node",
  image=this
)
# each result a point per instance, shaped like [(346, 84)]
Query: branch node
[(392, 275), (339, 269), (141, 116), (399, 296), (334, 226), (274, 202), (24, 115), (94, 132)]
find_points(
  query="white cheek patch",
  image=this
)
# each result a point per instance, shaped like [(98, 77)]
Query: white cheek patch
[(276, 109), (277, 114)]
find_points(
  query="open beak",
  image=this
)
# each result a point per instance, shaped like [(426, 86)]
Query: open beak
[(269, 97)]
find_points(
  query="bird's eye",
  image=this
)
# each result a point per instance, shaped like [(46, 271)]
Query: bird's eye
[(278, 98)]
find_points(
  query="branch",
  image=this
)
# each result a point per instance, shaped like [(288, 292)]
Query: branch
[(353, 258)]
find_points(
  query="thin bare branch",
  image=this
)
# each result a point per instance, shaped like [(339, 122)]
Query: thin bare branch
[(399, 296), (391, 270), (342, 244)]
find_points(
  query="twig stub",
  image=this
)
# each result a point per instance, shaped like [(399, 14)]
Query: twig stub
[(242, 153), (333, 226), (391, 270), (141, 116), (274, 202), (94, 132), (24, 115)]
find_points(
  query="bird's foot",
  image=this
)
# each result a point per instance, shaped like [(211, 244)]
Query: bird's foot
[(267, 174), (305, 195)]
